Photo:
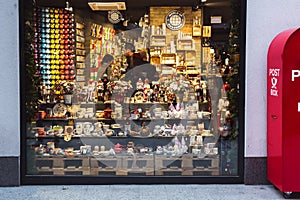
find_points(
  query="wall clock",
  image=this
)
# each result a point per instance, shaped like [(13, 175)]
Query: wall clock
[(114, 16), (175, 20)]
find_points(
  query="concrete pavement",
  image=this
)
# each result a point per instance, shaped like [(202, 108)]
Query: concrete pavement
[(141, 192)]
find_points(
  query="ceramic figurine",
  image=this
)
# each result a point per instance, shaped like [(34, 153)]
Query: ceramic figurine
[(112, 152), (147, 90), (140, 85), (91, 91)]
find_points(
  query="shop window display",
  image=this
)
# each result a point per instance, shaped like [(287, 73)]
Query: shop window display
[(162, 107)]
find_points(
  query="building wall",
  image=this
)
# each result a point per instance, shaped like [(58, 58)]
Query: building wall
[(265, 19), (9, 93)]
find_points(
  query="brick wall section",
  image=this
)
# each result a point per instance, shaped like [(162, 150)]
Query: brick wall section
[(157, 18)]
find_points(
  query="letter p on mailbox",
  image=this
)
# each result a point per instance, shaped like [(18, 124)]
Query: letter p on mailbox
[(295, 74)]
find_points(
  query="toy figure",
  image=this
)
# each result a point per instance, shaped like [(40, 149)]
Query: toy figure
[(147, 89), (100, 91), (91, 91), (140, 85)]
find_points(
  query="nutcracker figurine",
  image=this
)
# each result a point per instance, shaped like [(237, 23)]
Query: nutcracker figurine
[(100, 91)]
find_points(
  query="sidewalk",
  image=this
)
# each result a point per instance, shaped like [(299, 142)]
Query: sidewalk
[(141, 192)]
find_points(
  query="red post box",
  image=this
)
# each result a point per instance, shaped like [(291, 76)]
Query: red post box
[(283, 112)]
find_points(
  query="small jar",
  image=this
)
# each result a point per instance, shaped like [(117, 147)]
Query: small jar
[(107, 113)]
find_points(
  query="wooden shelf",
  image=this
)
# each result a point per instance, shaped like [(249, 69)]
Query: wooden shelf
[(158, 40), (122, 165)]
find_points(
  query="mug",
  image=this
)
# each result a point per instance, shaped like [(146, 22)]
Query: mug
[(78, 128), (87, 128)]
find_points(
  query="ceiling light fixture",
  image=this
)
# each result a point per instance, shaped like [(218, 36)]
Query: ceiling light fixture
[(106, 6), (68, 7)]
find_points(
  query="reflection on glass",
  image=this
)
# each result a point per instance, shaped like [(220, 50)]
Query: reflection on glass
[(146, 101)]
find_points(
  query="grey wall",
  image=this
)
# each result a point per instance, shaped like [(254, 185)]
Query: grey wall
[(9, 79), (9, 94), (265, 19)]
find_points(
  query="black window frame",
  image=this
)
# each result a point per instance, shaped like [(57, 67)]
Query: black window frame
[(60, 180)]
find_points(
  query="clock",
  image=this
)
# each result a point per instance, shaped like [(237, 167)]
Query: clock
[(114, 16), (175, 20)]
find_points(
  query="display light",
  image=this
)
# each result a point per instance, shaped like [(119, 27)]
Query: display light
[(68, 7)]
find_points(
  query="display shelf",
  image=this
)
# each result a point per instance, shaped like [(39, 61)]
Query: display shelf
[(158, 40), (186, 44), (109, 165), (58, 165), (80, 26), (168, 58), (100, 137), (123, 165), (186, 165)]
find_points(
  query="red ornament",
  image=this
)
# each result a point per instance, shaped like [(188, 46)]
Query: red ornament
[(226, 86)]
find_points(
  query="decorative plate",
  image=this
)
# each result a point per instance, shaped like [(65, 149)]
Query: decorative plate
[(139, 97), (59, 110), (175, 20)]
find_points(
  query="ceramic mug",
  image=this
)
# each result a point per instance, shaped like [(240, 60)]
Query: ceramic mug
[(87, 128), (78, 128)]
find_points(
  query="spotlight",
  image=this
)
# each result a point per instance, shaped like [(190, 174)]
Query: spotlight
[(68, 7)]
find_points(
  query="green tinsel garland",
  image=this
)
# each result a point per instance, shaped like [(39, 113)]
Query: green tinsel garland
[(32, 80)]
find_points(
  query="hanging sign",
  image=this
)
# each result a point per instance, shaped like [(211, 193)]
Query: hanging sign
[(175, 20)]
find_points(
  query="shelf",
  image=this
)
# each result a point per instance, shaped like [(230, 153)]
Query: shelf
[(158, 40), (102, 137), (119, 119), (114, 137), (185, 45), (80, 26), (168, 58), (123, 164)]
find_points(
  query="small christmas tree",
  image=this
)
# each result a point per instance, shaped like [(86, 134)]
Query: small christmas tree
[(233, 78)]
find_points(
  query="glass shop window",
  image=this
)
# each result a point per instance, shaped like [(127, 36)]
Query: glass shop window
[(131, 90)]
